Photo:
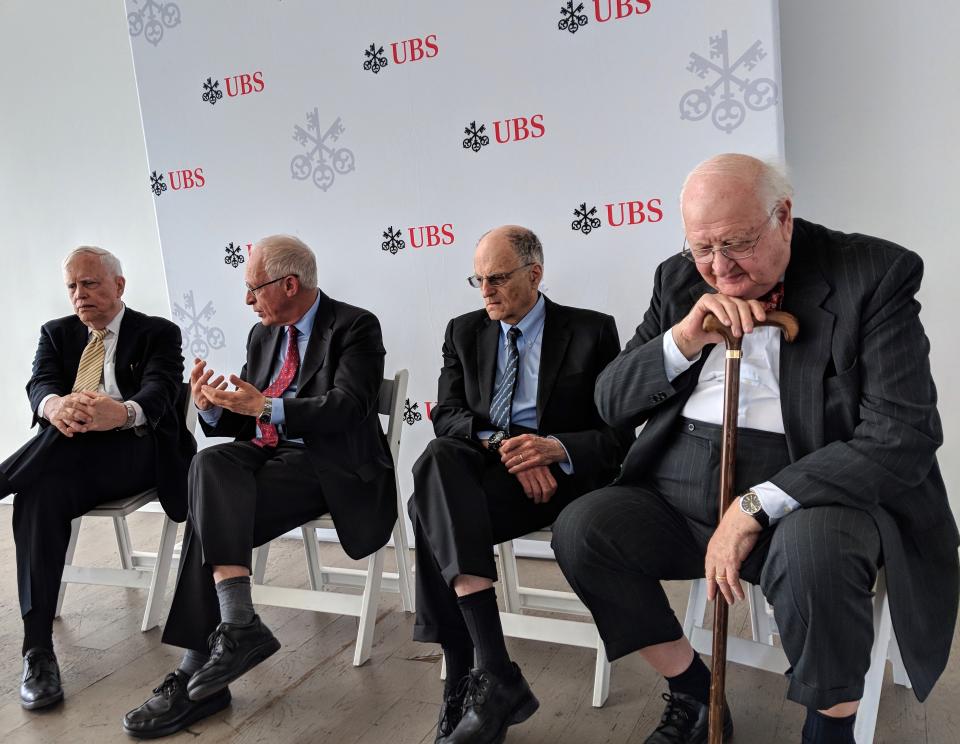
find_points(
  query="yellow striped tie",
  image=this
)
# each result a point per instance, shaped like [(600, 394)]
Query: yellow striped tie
[(91, 364)]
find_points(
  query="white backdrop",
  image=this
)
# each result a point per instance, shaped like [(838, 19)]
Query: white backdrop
[(274, 123)]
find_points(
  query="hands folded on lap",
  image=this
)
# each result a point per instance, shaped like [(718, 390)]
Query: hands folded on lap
[(85, 411), (529, 457)]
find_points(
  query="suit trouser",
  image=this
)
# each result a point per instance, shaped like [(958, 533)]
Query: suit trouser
[(57, 479), (240, 496), (816, 566), (464, 503)]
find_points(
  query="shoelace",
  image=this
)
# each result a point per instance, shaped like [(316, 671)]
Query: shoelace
[(169, 685), (452, 709), (475, 688), (676, 716), (39, 668), (220, 642)]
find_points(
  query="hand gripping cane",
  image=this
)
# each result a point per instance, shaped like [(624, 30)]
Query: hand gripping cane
[(728, 460)]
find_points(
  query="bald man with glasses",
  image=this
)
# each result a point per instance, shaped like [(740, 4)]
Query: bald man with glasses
[(518, 438)]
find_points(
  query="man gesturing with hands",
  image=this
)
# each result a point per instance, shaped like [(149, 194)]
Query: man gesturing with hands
[(518, 438)]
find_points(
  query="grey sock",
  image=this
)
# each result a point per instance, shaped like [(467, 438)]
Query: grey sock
[(236, 604), (191, 662)]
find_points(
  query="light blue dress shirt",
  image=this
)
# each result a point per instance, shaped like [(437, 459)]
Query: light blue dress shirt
[(523, 411), (304, 327)]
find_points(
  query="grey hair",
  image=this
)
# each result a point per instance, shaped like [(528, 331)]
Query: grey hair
[(110, 262), (524, 242), (285, 255), (769, 178)]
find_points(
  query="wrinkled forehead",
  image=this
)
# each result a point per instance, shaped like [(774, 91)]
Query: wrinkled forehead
[(494, 255), (714, 201), (85, 266)]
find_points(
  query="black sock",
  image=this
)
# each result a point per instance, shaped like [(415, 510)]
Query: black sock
[(695, 681), (821, 729), (459, 660), (37, 632), (236, 604), (483, 621)]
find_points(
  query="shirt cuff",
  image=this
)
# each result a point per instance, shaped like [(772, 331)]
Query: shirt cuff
[(141, 418), (481, 435), (277, 416), (211, 416), (674, 362), (566, 467), (775, 502), (43, 403)]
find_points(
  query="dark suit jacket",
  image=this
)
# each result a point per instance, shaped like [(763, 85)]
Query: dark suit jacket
[(577, 344), (335, 413), (859, 412), (149, 370)]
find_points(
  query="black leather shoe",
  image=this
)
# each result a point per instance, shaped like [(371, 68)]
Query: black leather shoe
[(234, 651), (170, 710), (684, 721), (451, 711), (40, 686), (490, 705)]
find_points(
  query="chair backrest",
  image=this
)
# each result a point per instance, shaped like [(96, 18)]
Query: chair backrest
[(390, 403)]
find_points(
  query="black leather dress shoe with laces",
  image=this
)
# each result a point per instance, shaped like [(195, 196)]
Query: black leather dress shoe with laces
[(234, 651), (684, 721), (490, 705), (170, 710), (451, 711), (40, 685)]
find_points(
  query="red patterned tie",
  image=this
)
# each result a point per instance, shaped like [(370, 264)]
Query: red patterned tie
[(773, 300), (288, 372)]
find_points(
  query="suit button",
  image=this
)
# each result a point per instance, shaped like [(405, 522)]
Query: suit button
[(690, 427)]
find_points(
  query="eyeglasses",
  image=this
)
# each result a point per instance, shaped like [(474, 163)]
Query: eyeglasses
[(735, 251), (254, 290), (494, 280)]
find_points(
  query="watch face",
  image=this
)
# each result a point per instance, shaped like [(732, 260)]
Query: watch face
[(751, 503)]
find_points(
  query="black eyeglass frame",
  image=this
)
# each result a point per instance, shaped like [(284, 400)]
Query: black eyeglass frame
[(254, 290), (495, 280)]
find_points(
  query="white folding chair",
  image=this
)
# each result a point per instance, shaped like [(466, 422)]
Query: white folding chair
[(138, 569), (517, 599), (761, 653), (325, 580)]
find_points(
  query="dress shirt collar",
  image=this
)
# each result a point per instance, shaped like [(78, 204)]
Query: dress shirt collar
[(532, 323), (114, 325), (305, 324)]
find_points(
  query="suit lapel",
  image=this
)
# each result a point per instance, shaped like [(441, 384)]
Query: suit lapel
[(319, 342), (802, 363), (553, 347), (488, 341), (126, 342), (261, 359)]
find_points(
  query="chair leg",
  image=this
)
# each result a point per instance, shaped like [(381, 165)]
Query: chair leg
[(260, 562), (312, 552), (696, 606), (71, 549), (160, 575), (124, 544), (601, 676), (866, 722), (509, 578), (404, 572), (368, 607)]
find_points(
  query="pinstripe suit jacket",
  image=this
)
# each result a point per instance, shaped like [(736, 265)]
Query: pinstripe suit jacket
[(859, 413)]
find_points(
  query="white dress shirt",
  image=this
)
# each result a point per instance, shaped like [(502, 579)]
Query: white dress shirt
[(759, 406), (108, 383)]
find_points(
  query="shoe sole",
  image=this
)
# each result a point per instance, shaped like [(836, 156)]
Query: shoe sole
[(256, 656), (199, 713), (42, 702)]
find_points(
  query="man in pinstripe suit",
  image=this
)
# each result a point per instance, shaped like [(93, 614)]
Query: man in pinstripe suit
[(836, 465)]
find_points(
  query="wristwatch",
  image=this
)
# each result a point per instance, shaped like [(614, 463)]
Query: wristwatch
[(750, 504), (495, 440), (131, 415), (267, 412)]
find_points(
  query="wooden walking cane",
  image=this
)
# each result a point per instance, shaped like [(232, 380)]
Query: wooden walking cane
[(728, 460)]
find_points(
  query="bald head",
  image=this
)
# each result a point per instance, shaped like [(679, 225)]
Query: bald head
[(734, 175), (509, 258)]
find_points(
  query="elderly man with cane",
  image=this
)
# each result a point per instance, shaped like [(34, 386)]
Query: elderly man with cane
[(836, 472)]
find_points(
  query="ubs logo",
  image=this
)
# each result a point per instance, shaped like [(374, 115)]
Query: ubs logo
[(182, 179), (421, 236), (515, 129), (618, 214), (235, 85), (416, 49), (573, 17)]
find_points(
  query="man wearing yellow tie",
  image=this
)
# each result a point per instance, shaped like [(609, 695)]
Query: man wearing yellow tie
[(104, 391)]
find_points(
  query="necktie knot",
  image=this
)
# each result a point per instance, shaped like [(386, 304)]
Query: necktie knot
[(772, 300), (513, 334), (99, 333)]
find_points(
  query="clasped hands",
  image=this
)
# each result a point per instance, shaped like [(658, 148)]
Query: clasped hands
[(529, 458), (77, 413), (738, 315), (731, 543), (209, 391)]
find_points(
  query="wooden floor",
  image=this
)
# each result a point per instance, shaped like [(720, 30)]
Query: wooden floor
[(310, 692)]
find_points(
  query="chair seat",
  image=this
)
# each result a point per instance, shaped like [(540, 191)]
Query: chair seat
[(123, 507)]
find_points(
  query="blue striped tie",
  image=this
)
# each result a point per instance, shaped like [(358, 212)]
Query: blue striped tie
[(502, 403)]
